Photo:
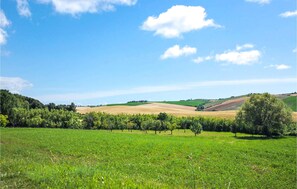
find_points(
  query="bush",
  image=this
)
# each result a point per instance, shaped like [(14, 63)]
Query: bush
[(3, 120)]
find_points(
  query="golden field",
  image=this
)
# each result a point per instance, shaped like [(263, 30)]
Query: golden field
[(156, 108)]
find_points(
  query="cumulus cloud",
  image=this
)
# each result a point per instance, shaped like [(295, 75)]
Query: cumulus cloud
[(279, 66), (262, 2), (245, 46), (242, 55), (239, 58), (70, 97), (289, 14), (75, 7), (198, 60), (23, 8), (177, 20), (4, 22), (14, 84), (175, 51)]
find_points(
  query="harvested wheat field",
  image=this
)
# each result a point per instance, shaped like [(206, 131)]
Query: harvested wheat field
[(232, 104), (155, 108)]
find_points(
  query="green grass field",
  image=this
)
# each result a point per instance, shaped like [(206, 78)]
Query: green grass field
[(56, 158), (291, 101), (193, 103)]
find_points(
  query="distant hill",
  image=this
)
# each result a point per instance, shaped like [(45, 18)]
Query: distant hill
[(193, 103), (222, 104)]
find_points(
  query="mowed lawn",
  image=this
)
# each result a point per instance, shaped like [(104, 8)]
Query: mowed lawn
[(57, 158)]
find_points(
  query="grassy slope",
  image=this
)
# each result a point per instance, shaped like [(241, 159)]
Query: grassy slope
[(291, 101), (35, 158), (193, 103), (129, 104)]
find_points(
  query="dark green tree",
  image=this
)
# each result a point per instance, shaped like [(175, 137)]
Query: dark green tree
[(264, 114), (196, 127)]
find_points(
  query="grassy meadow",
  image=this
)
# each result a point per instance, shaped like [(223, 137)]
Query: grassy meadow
[(193, 103), (57, 158), (291, 101)]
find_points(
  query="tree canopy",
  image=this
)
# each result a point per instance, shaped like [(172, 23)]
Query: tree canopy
[(264, 114)]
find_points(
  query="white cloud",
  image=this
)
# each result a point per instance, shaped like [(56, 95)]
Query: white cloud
[(279, 66), (4, 22), (70, 97), (177, 20), (289, 14), (75, 7), (245, 46), (3, 36), (175, 51), (14, 84), (23, 8), (262, 2), (198, 60), (295, 50), (239, 56)]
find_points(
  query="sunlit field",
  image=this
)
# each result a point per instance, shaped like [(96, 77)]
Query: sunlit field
[(57, 158)]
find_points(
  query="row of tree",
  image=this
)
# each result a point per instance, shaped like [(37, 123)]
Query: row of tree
[(45, 118), (261, 114)]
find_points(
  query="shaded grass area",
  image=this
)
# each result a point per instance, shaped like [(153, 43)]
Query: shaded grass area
[(291, 101), (40, 158), (193, 103)]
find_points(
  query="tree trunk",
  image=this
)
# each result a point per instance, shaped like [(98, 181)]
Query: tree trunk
[(171, 132)]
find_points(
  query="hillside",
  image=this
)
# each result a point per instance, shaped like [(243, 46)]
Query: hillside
[(222, 104), (193, 103), (291, 101)]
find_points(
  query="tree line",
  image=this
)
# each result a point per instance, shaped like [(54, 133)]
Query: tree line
[(262, 114)]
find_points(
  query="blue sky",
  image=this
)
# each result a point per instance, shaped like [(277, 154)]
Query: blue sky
[(98, 52)]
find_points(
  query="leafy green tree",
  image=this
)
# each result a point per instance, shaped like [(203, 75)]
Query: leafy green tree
[(122, 124), (264, 114), (185, 123), (51, 106), (18, 117), (196, 127), (146, 125), (35, 121), (130, 125), (200, 107), (72, 107), (171, 126), (3, 120), (156, 125)]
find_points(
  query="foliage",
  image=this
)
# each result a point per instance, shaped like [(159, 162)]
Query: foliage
[(264, 114), (3, 120), (196, 127), (21, 117)]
